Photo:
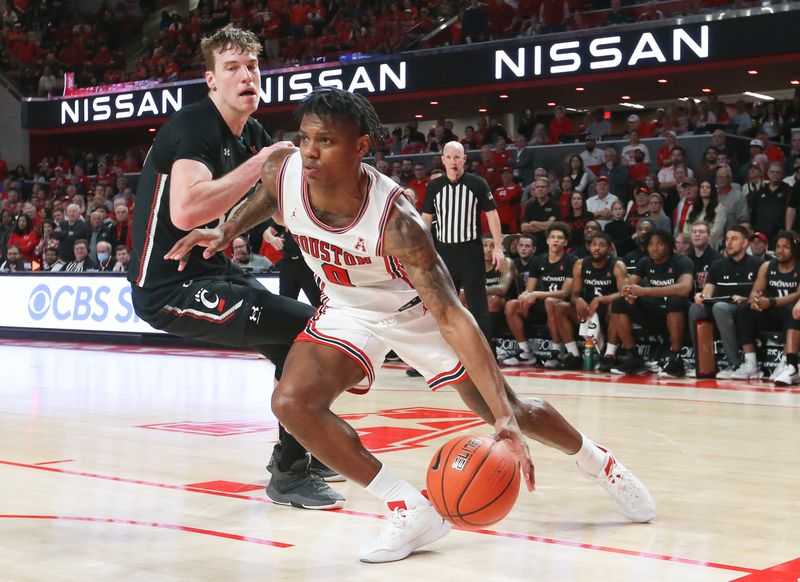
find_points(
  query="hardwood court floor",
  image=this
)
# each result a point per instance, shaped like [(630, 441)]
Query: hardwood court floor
[(148, 464)]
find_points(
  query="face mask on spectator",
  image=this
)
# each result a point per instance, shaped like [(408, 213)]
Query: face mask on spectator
[(103, 257)]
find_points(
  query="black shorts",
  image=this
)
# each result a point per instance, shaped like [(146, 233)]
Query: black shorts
[(232, 310), (651, 312), (537, 314)]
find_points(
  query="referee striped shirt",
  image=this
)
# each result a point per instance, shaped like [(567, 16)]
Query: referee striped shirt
[(457, 207)]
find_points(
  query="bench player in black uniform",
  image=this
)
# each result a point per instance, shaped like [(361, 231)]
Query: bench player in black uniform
[(670, 280), (498, 281), (596, 283), (770, 307), (550, 282), (204, 161)]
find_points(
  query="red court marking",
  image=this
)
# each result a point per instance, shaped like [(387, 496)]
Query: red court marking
[(171, 526), (54, 462), (523, 537), (786, 572), (226, 486), (216, 428)]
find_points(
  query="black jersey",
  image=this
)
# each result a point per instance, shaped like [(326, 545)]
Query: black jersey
[(492, 278), (196, 132), (733, 277), (665, 274), (550, 276), (524, 270), (702, 264), (780, 284), (632, 259), (598, 282)]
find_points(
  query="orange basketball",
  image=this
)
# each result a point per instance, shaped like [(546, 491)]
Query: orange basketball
[(473, 482)]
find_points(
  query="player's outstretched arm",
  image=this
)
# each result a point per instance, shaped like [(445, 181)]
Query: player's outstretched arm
[(408, 239), (255, 210)]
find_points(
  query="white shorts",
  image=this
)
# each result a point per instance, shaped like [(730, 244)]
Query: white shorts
[(413, 335)]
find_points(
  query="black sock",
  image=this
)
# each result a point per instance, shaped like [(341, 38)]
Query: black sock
[(791, 359), (291, 450)]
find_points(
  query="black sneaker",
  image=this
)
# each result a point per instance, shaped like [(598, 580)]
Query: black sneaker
[(674, 368), (328, 475), (631, 364), (607, 363), (300, 486), (571, 362), (412, 373)]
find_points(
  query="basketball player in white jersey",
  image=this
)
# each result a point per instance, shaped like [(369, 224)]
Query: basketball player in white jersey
[(384, 287)]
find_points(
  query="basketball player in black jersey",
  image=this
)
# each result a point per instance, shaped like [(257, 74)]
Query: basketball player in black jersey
[(203, 162), (670, 279), (770, 307), (498, 281), (596, 283)]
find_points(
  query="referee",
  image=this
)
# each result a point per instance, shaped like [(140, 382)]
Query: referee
[(455, 201)]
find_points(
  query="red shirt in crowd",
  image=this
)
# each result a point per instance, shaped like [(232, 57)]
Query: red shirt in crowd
[(419, 186), (26, 243), (507, 199), (558, 128)]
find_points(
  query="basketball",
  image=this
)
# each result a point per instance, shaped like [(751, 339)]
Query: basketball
[(473, 482)]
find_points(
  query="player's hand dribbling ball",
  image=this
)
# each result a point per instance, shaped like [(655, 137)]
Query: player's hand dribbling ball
[(473, 482)]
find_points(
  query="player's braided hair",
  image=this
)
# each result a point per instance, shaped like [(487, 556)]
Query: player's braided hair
[(340, 105)]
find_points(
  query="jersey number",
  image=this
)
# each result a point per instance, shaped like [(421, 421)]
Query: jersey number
[(337, 275)]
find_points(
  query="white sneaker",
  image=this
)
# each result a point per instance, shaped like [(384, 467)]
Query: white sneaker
[(631, 497), (519, 358), (787, 377), (691, 373), (553, 364), (725, 374), (778, 369), (747, 371), (407, 530)]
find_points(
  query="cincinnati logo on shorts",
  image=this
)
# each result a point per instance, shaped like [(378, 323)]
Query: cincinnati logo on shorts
[(209, 300)]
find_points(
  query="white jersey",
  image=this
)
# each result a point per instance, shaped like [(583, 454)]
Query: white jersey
[(349, 263)]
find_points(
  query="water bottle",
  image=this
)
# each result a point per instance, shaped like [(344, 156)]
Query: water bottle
[(588, 355)]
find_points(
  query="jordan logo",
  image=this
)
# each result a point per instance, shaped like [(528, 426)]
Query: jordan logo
[(294, 213), (361, 245)]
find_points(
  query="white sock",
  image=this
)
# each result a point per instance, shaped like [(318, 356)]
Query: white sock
[(558, 348), (590, 457), (611, 349), (524, 347), (390, 488), (572, 348), (750, 358)]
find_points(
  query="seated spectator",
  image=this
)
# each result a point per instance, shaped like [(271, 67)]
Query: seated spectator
[(639, 206), (638, 170), (24, 238), (600, 204), (683, 244), (524, 260), (620, 230), (707, 169), (247, 260), (599, 127), (560, 125), (123, 259), (81, 260), (471, 140), (521, 161), (719, 141), (705, 208), (773, 152), (596, 282), (732, 278), (590, 228), (664, 299), (577, 218), (742, 119), (759, 247), (14, 261), (105, 260), (617, 15), (592, 156), (582, 178), (655, 211), (666, 175), (771, 306), (6, 228), (419, 183), (550, 282), (47, 240), (703, 255), (687, 197), (564, 197), (100, 231), (121, 231), (539, 213), (633, 145), (51, 261), (487, 169)]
